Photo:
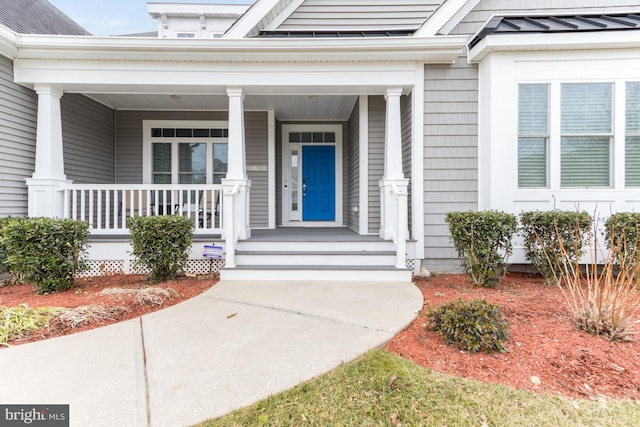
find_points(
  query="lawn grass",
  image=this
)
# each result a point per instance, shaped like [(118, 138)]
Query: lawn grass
[(382, 389)]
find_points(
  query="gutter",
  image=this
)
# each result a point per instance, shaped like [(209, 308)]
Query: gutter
[(437, 49)]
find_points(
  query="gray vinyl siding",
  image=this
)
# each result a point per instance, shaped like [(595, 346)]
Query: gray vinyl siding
[(257, 149), (353, 169), (407, 123), (88, 139), (451, 121), (18, 115), (344, 15), (377, 114), (129, 150)]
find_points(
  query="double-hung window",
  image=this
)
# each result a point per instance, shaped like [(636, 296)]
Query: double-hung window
[(586, 134), (582, 141), (533, 135), (632, 147)]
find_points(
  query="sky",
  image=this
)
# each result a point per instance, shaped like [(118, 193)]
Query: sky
[(113, 17)]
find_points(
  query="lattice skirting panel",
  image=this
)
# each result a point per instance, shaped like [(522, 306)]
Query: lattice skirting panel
[(106, 267), (411, 264)]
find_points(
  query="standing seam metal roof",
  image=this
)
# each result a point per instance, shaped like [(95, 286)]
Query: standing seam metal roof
[(557, 24)]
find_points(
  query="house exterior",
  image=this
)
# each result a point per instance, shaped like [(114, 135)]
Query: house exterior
[(324, 139)]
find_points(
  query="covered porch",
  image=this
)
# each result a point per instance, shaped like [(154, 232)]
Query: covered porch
[(219, 131)]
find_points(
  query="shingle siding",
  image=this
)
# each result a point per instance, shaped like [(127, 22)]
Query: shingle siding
[(344, 15), (451, 121), (89, 140), (18, 115)]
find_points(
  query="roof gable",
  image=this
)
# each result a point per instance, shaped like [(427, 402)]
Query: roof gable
[(359, 15), (37, 17)]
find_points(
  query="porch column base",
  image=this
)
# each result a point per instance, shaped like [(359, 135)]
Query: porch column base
[(389, 207), (46, 197), (236, 193)]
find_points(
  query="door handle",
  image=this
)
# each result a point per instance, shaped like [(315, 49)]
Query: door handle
[(304, 189)]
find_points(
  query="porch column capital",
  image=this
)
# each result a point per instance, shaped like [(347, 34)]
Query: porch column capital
[(235, 92), (393, 91), (48, 90)]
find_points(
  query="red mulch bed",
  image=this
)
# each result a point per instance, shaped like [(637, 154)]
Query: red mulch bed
[(87, 292), (543, 342)]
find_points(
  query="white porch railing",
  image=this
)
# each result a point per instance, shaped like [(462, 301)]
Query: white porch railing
[(107, 207), (399, 224)]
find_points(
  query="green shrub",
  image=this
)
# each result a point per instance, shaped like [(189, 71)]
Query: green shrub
[(483, 241), (554, 239), (45, 251), (473, 326), (3, 252), (161, 243), (622, 235)]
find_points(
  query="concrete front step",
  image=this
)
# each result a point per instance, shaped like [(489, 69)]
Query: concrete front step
[(315, 246), (316, 272), (311, 258)]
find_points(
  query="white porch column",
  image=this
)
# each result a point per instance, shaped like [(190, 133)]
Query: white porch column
[(236, 186), (46, 197), (393, 185)]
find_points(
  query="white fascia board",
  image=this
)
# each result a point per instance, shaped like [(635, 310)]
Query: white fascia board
[(193, 9), (283, 15), (8, 42), (256, 13), (446, 17), (537, 42), (441, 49)]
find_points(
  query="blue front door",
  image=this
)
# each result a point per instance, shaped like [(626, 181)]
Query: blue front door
[(318, 183)]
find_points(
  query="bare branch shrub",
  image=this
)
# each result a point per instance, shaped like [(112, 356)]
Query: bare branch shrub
[(603, 299)]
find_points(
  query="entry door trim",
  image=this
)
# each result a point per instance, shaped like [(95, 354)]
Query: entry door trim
[(287, 220)]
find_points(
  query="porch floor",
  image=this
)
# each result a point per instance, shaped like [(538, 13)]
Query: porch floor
[(300, 234)]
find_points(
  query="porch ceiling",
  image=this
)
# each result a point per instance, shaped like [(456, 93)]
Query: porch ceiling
[(286, 107)]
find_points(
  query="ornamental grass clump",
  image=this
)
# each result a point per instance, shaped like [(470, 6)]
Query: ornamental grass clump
[(554, 239), (483, 241), (604, 298), (16, 322), (476, 325), (161, 244)]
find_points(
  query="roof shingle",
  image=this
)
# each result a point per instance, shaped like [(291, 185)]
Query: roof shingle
[(37, 17)]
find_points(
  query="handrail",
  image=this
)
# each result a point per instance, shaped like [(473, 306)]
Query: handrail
[(399, 224), (107, 206)]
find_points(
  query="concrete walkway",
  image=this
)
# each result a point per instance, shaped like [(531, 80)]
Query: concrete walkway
[(235, 344)]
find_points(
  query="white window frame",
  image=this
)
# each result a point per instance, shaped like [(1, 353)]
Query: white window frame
[(500, 74), (148, 140)]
